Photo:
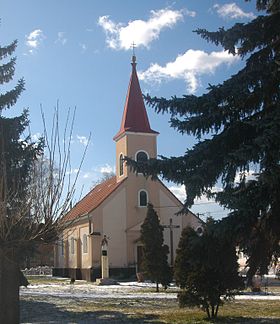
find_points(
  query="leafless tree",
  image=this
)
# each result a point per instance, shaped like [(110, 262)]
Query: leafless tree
[(37, 219)]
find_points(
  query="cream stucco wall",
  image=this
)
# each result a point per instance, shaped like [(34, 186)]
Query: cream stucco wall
[(114, 227), (119, 216), (85, 256), (129, 144), (169, 206), (72, 257)]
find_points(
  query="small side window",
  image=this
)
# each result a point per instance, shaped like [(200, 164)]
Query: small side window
[(85, 243), (199, 231), (142, 198), (72, 245), (62, 247), (121, 165)]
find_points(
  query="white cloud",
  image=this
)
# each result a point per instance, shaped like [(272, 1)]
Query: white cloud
[(232, 11), (34, 39), (106, 168), (61, 38), (72, 171), (87, 175), (35, 137), (83, 140), (179, 192), (202, 207), (188, 67), (142, 33), (249, 175)]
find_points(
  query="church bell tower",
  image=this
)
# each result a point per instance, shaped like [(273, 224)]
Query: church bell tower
[(135, 138)]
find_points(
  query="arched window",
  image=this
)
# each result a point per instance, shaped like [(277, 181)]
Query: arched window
[(142, 198), (141, 156), (85, 243), (121, 165), (199, 231), (72, 245)]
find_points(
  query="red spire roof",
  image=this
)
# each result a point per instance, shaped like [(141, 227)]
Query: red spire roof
[(135, 118)]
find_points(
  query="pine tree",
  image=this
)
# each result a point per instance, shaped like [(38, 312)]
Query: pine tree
[(16, 160), (240, 120), (34, 191), (155, 253), (206, 268)]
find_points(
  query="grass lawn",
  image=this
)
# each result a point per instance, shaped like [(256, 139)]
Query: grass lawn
[(50, 309)]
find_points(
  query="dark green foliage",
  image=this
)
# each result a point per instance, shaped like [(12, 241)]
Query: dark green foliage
[(206, 269), (242, 116), (17, 156), (155, 253)]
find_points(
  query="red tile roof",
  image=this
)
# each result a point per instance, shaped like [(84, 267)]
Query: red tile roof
[(134, 117), (93, 199)]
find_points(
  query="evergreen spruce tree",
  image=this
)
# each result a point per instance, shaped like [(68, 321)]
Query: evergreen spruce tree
[(206, 269), (34, 191), (155, 253), (242, 115), (17, 155)]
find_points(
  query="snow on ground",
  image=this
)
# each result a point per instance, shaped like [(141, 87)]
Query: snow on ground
[(81, 289), (124, 290)]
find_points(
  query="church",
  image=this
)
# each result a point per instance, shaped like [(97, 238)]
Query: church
[(116, 208)]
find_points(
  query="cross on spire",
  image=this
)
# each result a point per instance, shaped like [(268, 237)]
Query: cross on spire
[(133, 46)]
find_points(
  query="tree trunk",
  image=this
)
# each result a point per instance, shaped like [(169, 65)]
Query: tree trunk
[(9, 290), (157, 290), (208, 312), (212, 311), (216, 312)]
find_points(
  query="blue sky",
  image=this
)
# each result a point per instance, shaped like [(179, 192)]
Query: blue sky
[(78, 53)]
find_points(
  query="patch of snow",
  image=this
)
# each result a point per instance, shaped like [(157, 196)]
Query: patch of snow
[(130, 290), (124, 290)]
